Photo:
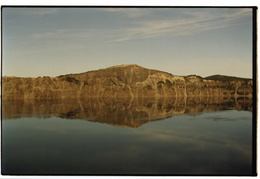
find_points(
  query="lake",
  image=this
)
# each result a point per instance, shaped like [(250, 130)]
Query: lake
[(128, 137)]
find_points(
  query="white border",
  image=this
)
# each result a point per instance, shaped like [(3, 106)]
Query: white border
[(127, 3)]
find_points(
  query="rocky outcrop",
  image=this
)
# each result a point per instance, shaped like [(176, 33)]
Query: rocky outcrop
[(123, 82)]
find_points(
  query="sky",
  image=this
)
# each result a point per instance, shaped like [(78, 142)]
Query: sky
[(182, 41)]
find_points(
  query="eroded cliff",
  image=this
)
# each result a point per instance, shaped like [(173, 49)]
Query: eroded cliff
[(122, 82)]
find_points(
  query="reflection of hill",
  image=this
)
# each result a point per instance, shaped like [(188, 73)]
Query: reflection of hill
[(124, 112)]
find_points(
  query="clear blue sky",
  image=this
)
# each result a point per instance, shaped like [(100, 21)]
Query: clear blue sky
[(181, 41)]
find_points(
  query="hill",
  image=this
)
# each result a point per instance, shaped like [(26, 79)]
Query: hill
[(124, 81), (226, 78), (127, 74)]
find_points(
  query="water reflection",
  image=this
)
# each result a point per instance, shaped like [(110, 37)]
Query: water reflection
[(212, 143), (123, 112)]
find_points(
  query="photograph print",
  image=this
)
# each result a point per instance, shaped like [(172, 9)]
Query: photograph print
[(143, 91)]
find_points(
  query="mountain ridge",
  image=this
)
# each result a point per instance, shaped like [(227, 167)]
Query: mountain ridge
[(124, 81), (211, 77), (226, 78)]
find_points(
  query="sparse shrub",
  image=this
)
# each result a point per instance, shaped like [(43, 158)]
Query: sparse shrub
[(72, 80), (169, 84), (149, 87), (160, 84)]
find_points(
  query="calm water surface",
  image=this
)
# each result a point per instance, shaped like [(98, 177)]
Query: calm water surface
[(131, 142)]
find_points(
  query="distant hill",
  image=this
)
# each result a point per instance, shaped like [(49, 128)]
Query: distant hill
[(226, 78), (125, 81), (128, 74)]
